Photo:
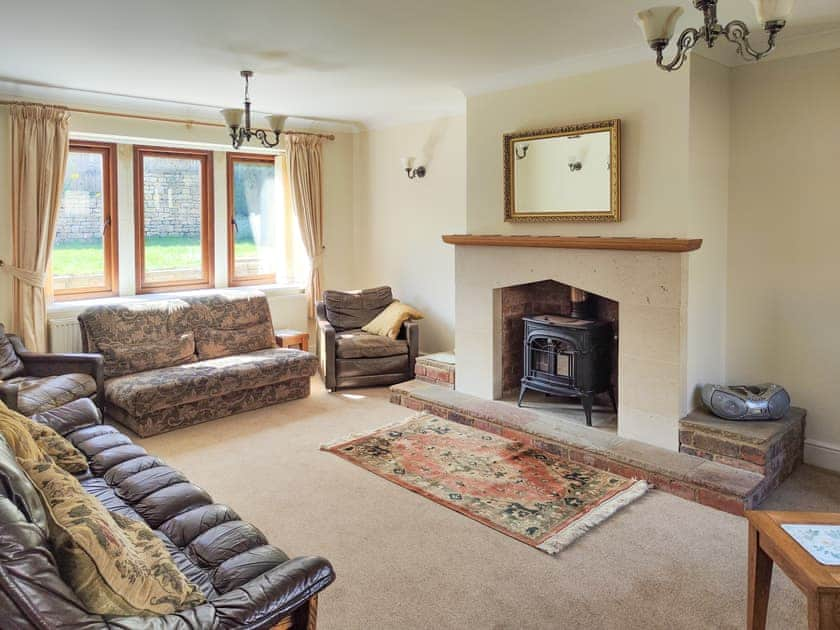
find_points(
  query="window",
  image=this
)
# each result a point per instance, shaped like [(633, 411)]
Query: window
[(84, 258), (253, 219), (173, 194)]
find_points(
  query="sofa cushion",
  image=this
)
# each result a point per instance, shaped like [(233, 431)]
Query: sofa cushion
[(116, 565), (120, 358), (357, 344), (354, 309), (371, 367), (389, 322), (133, 324), (221, 342), (146, 392), (19, 488), (32, 440), (10, 363), (38, 394)]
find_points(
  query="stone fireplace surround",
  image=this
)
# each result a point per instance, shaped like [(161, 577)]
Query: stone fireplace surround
[(650, 289)]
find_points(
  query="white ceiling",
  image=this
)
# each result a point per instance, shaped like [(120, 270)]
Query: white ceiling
[(374, 62)]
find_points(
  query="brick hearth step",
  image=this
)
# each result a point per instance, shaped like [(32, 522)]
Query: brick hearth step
[(689, 476), (438, 368)]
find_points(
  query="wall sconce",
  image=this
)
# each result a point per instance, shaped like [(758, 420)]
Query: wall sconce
[(520, 152), (408, 167)]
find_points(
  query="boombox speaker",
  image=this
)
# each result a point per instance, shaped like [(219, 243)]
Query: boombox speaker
[(747, 402)]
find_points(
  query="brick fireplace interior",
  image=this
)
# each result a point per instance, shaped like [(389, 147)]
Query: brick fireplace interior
[(546, 297)]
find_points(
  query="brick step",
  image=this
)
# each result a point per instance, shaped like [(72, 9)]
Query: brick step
[(688, 476)]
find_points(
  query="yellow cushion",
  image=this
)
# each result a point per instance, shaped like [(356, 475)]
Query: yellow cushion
[(32, 440), (116, 565), (389, 321)]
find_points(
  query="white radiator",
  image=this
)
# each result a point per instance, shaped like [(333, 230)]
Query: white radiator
[(65, 335)]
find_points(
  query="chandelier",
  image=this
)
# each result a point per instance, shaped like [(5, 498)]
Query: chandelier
[(240, 133), (658, 25)]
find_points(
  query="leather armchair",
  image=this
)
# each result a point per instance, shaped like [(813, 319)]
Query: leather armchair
[(46, 380), (350, 357)]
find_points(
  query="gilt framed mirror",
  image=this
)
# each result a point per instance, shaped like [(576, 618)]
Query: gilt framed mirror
[(570, 173)]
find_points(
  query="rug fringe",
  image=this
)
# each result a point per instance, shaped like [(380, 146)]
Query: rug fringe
[(353, 436), (594, 517)]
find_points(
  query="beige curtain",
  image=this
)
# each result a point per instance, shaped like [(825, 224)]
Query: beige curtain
[(305, 180), (40, 146)]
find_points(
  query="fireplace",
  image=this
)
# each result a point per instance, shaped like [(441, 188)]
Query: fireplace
[(568, 356)]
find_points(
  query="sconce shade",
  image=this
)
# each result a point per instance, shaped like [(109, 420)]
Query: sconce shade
[(659, 23), (772, 10), (233, 117), (276, 123), (407, 162)]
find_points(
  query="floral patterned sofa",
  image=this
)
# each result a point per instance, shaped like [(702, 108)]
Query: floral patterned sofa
[(178, 362)]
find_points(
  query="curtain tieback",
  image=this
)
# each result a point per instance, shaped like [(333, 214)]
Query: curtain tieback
[(317, 261), (32, 278)]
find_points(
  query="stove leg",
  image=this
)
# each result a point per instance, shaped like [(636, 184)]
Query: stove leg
[(521, 394), (587, 409)]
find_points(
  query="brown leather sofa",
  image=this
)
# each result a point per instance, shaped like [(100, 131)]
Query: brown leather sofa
[(350, 357), (31, 382), (178, 362), (248, 583)]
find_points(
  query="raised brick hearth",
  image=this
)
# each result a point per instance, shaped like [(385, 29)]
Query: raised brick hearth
[(703, 479), (436, 368)]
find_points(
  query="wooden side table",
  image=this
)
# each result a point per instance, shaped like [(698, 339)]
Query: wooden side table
[(768, 544), (287, 338)]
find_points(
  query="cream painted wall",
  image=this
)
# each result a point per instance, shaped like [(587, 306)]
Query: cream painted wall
[(399, 221), (708, 204), (338, 198), (783, 257), (653, 108)]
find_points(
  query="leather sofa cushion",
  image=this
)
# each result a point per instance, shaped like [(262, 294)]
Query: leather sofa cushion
[(19, 489), (356, 344), (10, 363), (38, 394), (123, 359), (146, 392), (371, 367), (116, 565), (222, 342), (346, 310)]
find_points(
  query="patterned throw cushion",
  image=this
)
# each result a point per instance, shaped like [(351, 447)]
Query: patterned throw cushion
[(219, 342), (129, 359), (32, 440), (116, 566), (389, 321), (10, 363)]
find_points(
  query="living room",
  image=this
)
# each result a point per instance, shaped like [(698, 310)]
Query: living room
[(475, 315)]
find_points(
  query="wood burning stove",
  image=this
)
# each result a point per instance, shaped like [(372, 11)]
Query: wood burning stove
[(567, 356)]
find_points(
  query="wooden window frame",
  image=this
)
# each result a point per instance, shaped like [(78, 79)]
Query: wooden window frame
[(233, 280), (110, 233), (207, 281)]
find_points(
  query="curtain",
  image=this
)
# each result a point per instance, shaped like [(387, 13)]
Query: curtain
[(305, 179), (40, 147)]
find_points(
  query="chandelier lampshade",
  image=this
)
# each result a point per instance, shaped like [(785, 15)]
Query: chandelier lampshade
[(659, 23)]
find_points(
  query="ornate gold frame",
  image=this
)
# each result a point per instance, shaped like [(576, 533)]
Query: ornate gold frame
[(614, 213)]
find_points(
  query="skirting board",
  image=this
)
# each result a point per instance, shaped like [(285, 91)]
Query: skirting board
[(822, 454)]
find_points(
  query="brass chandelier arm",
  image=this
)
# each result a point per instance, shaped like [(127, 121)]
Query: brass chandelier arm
[(738, 33), (685, 42)]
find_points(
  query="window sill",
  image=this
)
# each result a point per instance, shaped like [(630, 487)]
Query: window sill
[(72, 307)]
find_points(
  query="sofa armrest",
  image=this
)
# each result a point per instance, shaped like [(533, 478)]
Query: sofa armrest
[(48, 364), (412, 336), (325, 346), (9, 395), (74, 415)]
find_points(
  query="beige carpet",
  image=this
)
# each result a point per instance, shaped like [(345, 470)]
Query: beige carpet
[(404, 562)]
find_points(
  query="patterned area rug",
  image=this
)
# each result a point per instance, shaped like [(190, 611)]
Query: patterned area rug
[(538, 498)]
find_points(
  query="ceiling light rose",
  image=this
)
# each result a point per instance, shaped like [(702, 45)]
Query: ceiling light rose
[(240, 133), (659, 23)]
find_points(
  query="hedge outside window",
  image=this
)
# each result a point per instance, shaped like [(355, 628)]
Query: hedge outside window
[(173, 194), (84, 256)]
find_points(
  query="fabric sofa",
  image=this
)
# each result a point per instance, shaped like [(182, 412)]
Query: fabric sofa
[(34, 381), (350, 357), (178, 362), (247, 582)]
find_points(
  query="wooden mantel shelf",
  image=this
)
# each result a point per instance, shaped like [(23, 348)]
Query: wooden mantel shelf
[(626, 243)]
